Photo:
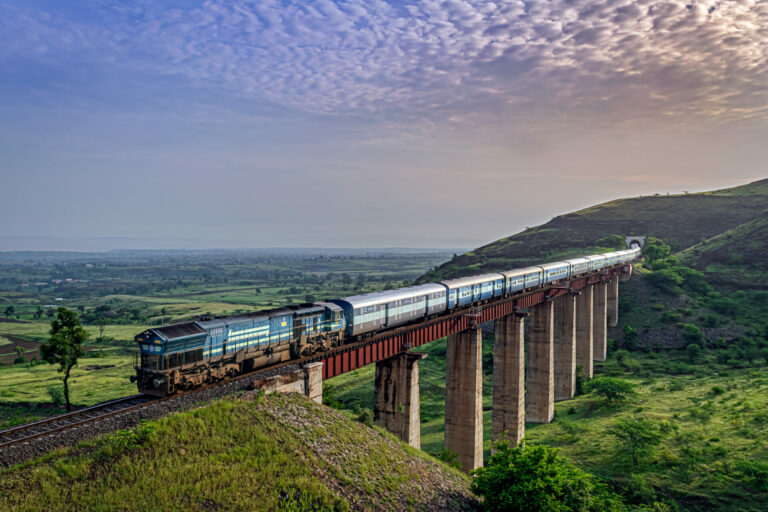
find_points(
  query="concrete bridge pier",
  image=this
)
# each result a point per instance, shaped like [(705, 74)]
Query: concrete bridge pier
[(613, 301), (600, 321), (508, 416), (584, 331), (396, 396), (540, 378), (565, 346), (464, 398)]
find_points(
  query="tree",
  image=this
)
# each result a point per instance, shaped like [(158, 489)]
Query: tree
[(613, 389), (38, 313), (65, 345), (19, 355), (9, 311), (536, 478), (101, 338), (637, 437)]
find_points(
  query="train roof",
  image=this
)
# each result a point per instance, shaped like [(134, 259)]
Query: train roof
[(471, 280), (553, 264), (370, 299), (521, 271)]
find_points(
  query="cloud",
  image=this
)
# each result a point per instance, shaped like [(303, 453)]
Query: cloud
[(619, 59)]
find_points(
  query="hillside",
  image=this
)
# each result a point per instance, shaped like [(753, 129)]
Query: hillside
[(679, 220), (277, 452), (736, 257)]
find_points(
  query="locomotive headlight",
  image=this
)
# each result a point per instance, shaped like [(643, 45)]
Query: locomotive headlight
[(158, 382), (133, 379)]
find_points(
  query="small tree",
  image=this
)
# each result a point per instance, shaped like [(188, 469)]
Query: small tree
[(65, 345), (637, 437), (9, 311), (613, 389)]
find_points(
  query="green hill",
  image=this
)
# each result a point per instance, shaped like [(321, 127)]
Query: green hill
[(276, 452), (736, 257), (680, 220)]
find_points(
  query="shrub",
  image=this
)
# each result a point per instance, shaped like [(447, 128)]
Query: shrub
[(637, 437), (754, 473), (57, 395), (570, 429), (718, 390), (537, 478), (449, 457), (630, 337), (666, 280), (692, 333), (366, 417), (581, 381), (694, 351), (613, 389)]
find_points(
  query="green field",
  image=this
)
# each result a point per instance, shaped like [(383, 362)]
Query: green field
[(129, 293)]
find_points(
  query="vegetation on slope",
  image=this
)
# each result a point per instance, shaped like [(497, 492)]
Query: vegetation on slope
[(737, 257), (680, 220), (277, 452)]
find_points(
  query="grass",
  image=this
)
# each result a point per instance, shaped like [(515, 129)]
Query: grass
[(717, 420), (93, 380), (275, 453)]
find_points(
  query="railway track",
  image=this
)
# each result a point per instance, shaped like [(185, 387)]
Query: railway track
[(55, 424)]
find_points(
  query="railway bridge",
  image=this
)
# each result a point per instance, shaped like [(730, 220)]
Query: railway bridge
[(532, 367)]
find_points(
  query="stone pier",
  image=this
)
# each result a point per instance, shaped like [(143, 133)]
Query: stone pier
[(313, 381), (396, 396), (584, 334), (613, 301), (464, 398), (540, 374), (565, 346), (508, 417), (600, 321)]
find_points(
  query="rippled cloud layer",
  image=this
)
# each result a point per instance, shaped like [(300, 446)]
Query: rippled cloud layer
[(452, 58)]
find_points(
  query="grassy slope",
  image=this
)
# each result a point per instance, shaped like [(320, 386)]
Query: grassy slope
[(268, 453), (680, 220), (736, 257)]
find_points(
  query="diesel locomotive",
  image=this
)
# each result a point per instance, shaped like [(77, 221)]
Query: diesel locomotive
[(183, 356)]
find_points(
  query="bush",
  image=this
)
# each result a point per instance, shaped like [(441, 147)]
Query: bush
[(637, 437), (754, 473), (449, 457), (692, 333), (537, 478), (57, 395), (630, 337), (581, 381), (717, 390), (366, 417), (666, 280), (570, 429), (694, 351), (613, 389)]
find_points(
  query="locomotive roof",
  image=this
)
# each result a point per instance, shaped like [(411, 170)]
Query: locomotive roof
[(470, 280), (374, 298), (172, 332)]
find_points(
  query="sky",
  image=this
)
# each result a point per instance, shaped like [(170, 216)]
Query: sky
[(170, 124)]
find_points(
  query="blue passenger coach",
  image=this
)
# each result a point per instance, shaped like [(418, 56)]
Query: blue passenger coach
[(372, 311), (470, 290)]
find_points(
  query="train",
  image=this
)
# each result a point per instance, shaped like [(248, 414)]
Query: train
[(187, 355)]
